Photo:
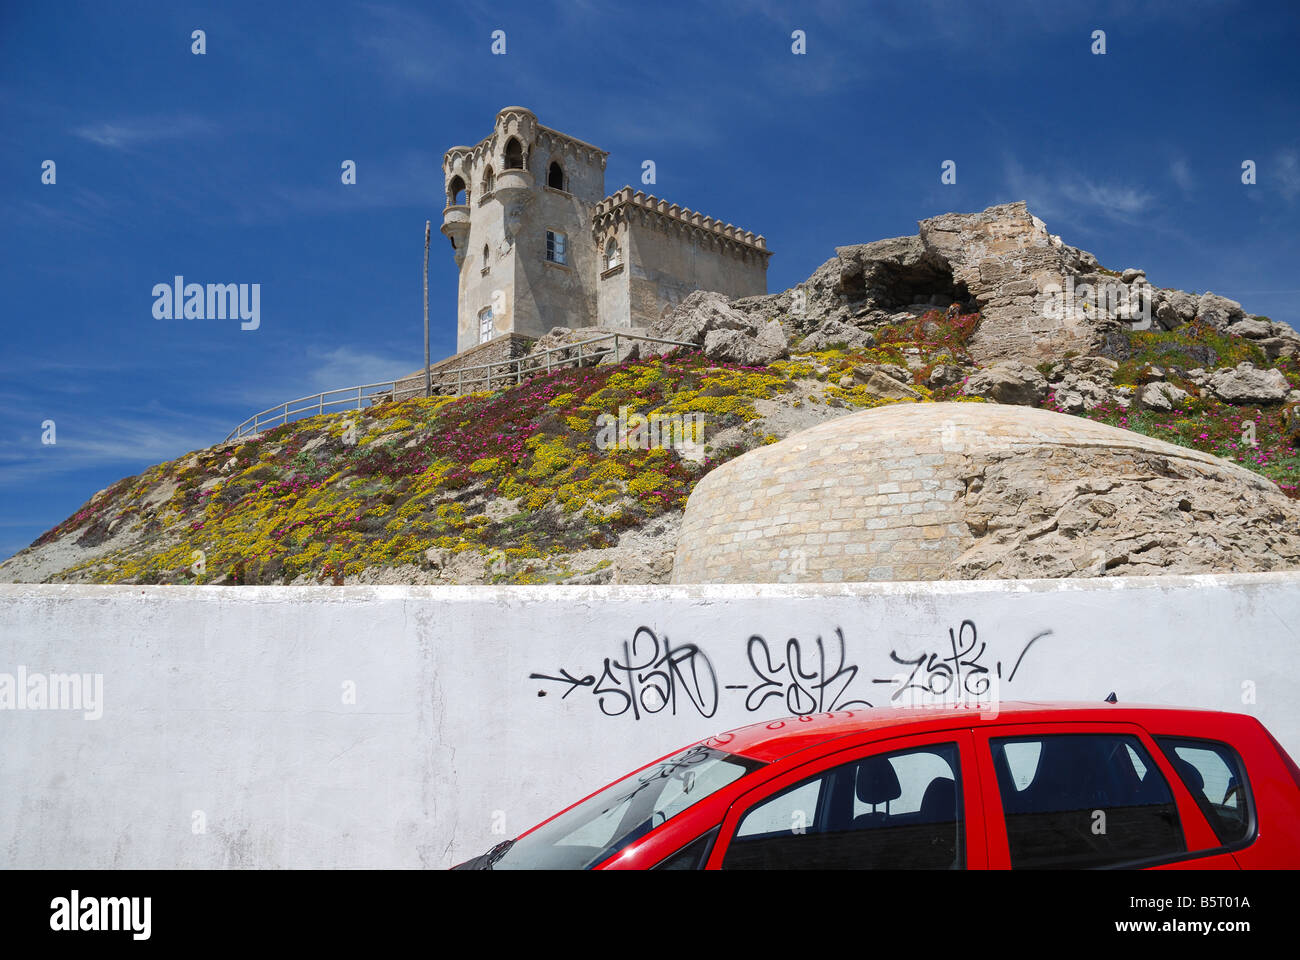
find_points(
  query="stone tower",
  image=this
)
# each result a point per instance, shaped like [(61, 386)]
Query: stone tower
[(519, 208), (538, 243)]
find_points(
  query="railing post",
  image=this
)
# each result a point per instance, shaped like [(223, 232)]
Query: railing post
[(616, 348), (459, 375), (579, 354), (321, 408), (358, 398), (255, 416)]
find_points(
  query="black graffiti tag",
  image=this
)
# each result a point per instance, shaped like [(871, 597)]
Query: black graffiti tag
[(806, 682), (960, 671), (651, 676)]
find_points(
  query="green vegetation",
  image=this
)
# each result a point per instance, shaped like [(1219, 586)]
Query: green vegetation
[(519, 472)]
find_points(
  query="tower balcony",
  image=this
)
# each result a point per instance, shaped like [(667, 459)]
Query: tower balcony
[(455, 227), (514, 188), (512, 185)]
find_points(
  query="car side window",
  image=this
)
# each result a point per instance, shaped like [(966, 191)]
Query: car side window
[(892, 811), (1216, 778), (791, 809), (1084, 800)]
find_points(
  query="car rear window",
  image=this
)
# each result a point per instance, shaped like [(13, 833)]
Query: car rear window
[(1084, 800), (1216, 777)]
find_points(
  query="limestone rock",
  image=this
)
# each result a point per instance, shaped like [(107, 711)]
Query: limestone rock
[(1251, 329), (554, 338), (560, 338), (1246, 383), (835, 333), (1173, 308), (1291, 420), (1096, 367), (629, 568), (1076, 393), (864, 372), (1011, 381), (1218, 311), (701, 312), (1277, 347), (771, 339), (880, 384), (737, 346), (944, 375), (1160, 396)]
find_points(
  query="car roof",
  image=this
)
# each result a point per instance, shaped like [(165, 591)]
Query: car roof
[(775, 739)]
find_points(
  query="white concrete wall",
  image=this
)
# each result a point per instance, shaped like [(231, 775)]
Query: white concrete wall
[(230, 701)]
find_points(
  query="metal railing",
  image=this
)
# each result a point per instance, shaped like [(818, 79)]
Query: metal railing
[(449, 383)]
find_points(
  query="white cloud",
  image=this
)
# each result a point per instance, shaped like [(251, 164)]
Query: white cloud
[(345, 366), (129, 134), (1181, 172), (1073, 197), (82, 444)]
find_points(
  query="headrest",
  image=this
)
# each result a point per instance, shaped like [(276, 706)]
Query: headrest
[(1191, 776), (940, 798), (877, 781)]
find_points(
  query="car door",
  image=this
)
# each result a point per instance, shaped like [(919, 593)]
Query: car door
[(910, 802), (1087, 795)]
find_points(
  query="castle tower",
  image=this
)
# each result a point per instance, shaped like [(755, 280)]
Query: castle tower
[(518, 215), (653, 254), (539, 244)]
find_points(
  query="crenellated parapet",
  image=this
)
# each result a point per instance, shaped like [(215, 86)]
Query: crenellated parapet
[(561, 145), (628, 206), (521, 124)]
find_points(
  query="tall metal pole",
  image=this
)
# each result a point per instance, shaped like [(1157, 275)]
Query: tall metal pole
[(428, 383)]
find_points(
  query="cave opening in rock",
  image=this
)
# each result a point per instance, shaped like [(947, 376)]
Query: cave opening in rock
[(892, 286), (925, 281)]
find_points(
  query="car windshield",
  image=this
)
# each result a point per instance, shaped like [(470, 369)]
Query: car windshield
[(604, 824)]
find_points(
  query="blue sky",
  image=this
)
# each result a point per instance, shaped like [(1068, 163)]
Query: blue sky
[(225, 167)]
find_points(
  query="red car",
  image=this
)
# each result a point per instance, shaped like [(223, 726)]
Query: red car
[(1032, 785)]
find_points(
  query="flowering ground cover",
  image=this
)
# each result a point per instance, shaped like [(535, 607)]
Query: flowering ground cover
[(332, 495), (1260, 438), (518, 471)]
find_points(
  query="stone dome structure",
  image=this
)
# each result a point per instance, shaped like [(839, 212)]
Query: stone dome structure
[(929, 491)]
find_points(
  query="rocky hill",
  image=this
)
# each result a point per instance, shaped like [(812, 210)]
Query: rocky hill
[(531, 484)]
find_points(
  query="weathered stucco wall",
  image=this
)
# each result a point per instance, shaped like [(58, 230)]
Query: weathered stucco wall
[(551, 294), (417, 726), (667, 264)]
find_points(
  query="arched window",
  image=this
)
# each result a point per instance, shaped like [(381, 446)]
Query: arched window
[(555, 176), (612, 256), (485, 254), (457, 192), (514, 154), (489, 180)]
